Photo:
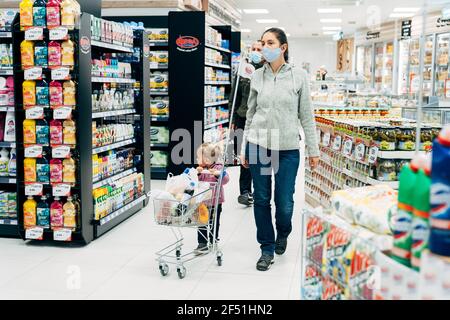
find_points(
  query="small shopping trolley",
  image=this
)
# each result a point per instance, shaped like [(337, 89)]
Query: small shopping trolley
[(197, 211)]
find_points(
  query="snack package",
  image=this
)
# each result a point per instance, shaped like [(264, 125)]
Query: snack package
[(159, 81), (159, 135), (159, 106), (312, 286), (316, 231)]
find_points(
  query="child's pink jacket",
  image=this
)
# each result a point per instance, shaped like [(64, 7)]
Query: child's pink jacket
[(205, 177)]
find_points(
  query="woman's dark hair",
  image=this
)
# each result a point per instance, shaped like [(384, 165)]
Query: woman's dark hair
[(281, 36)]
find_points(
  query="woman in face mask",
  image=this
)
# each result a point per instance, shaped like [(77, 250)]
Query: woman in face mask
[(279, 105)]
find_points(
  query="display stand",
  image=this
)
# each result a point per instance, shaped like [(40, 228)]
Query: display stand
[(86, 49)]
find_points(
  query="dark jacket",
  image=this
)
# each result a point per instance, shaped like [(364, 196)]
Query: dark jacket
[(243, 92)]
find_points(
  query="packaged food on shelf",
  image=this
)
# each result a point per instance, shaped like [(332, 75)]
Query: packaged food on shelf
[(109, 66), (159, 58), (113, 97), (112, 32), (159, 134), (214, 37), (6, 57), (6, 19), (111, 133), (214, 93), (8, 205), (160, 34), (159, 159), (112, 162), (6, 91), (159, 106), (159, 81)]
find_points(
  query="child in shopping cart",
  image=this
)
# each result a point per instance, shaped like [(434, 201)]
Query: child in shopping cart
[(209, 170)]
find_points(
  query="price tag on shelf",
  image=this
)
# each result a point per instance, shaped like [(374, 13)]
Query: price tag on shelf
[(62, 235), (34, 73), (348, 145), (34, 34), (61, 73), (36, 233), (61, 152), (59, 33), (373, 154), (61, 190), (337, 142), (35, 113), (326, 139), (34, 151), (62, 113), (35, 189), (360, 151)]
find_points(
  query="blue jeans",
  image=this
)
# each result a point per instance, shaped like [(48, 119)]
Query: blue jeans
[(284, 164)]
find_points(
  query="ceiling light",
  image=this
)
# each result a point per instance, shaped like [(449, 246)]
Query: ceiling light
[(330, 32), (329, 10), (332, 28), (414, 10), (256, 11), (246, 30), (401, 15), (331, 20), (267, 20)]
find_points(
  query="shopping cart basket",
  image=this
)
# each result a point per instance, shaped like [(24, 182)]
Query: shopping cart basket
[(194, 212)]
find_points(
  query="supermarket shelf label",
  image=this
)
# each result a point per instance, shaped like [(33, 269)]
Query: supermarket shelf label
[(373, 154), (59, 33), (348, 145), (35, 113), (122, 210), (61, 152), (34, 73), (34, 189), (360, 151), (98, 184), (326, 139), (62, 235), (35, 233), (61, 190), (8, 222), (34, 151), (337, 143), (61, 73), (62, 113), (33, 34)]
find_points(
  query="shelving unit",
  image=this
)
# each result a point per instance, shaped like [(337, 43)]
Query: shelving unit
[(89, 227)]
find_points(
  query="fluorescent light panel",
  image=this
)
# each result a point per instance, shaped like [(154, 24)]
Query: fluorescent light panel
[(267, 20), (331, 20), (256, 11), (413, 10), (329, 10), (332, 28)]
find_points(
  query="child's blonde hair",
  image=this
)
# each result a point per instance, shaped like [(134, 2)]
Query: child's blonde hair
[(210, 151)]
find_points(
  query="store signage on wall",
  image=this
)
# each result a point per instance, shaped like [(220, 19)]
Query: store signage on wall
[(372, 35), (442, 23), (406, 29), (187, 43)]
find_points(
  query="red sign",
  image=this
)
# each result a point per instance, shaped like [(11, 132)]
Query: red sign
[(187, 43)]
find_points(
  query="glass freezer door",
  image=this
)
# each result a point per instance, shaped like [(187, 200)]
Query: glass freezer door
[(388, 66), (403, 67), (442, 66), (368, 64), (379, 55), (414, 74)]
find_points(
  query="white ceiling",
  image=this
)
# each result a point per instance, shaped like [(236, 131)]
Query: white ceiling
[(301, 19)]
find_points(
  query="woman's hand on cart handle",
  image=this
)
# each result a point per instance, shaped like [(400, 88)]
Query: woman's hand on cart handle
[(244, 162)]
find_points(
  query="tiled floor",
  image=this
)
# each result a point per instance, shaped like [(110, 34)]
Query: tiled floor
[(121, 264)]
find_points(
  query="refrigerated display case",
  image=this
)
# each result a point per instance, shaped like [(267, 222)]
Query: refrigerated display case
[(364, 63), (442, 66), (384, 66), (435, 116), (379, 57), (403, 65), (414, 67)]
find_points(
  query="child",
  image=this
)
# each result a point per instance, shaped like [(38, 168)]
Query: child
[(208, 156)]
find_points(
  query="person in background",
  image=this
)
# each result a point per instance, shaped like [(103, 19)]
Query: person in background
[(279, 105), (239, 118)]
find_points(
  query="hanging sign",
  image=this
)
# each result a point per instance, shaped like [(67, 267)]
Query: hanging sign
[(372, 35), (406, 29)]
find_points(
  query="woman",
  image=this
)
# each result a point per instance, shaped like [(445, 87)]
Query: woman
[(279, 105)]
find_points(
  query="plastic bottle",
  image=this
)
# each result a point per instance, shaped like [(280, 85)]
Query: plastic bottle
[(4, 161), (70, 214), (29, 168), (56, 171), (402, 226), (41, 54), (69, 175), (43, 213), (56, 94), (69, 132), (27, 53), (53, 13), (10, 127), (29, 212), (29, 93), (56, 214), (29, 131), (67, 53), (42, 132), (69, 93), (42, 93), (42, 169), (54, 54), (68, 12), (39, 13), (26, 13), (440, 195), (12, 165)]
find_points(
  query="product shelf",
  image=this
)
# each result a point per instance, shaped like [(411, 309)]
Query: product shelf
[(111, 46), (8, 222), (216, 65), (112, 80), (160, 43), (160, 118), (159, 145), (217, 103), (5, 71), (122, 210), (113, 113), (6, 109), (113, 146), (4, 34), (407, 155), (8, 180), (159, 93), (211, 46), (212, 125), (7, 144), (159, 67), (217, 83), (100, 183)]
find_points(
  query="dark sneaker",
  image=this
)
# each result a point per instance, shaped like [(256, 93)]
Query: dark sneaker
[(250, 198), (280, 246), (245, 199), (201, 249), (264, 262)]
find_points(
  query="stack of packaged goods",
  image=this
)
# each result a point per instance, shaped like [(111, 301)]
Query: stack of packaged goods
[(8, 205), (215, 114), (158, 35), (111, 133), (159, 81), (159, 107), (113, 97), (214, 94), (214, 38), (109, 66), (112, 32), (159, 59), (109, 163), (159, 135)]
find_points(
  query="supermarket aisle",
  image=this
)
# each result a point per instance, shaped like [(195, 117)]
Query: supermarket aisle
[(121, 264)]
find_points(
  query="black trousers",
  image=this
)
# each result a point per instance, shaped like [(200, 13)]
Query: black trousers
[(202, 234), (245, 178)]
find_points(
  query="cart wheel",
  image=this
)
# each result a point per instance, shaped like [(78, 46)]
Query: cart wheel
[(181, 272), (164, 269)]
